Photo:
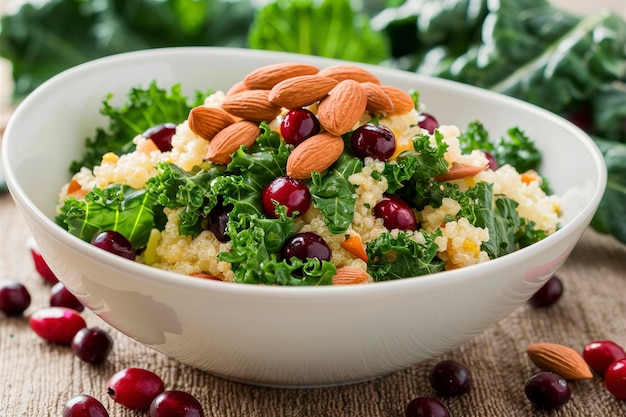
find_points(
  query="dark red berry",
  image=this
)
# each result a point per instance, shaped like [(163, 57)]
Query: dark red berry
[(84, 406), (600, 354), (450, 378), (306, 245), (217, 221), (175, 404), (493, 164), (62, 297), (288, 192), (41, 266), (396, 213), (426, 407), (57, 324), (428, 122), (548, 294), (135, 387), (375, 141), (14, 297), (114, 242), (161, 135), (298, 125), (92, 345), (547, 390), (615, 379)]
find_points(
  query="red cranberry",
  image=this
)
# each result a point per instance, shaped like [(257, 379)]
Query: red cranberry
[(372, 140), (175, 404), (288, 192), (92, 345), (14, 297), (428, 122), (135, 387), (600, 354), (396, 213), (84, 406), (450, 378), (57, 324), (615, 379), (41, 266), (62, 297), (306, 245), (114, 242), (493, 164), (161, 135), (218, 221), (548, 294), (547, 390), (298, 125), (426, 407)]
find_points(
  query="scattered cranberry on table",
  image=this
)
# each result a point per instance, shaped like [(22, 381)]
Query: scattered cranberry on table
[(375, 141), (41, 266), (175, 403), (450, 378), (14, 297), (57, 324), (548, 294), (426, 407), (286, 191), (62, 297), (114, 242), (299, 125), (92, 345), (135, 387), (84, 406), (547, 390), (600, 354), (161, 135), (615, 379)]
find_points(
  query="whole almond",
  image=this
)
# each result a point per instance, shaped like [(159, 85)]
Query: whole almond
[(402, 101), (296, 92), (560, 359), (268, 76), (377, 101), (349, 72), (343, 107), (251, 105), (315, 154), (207, 121), (458, 171), (238, 87), (350, 275), (230, 139)]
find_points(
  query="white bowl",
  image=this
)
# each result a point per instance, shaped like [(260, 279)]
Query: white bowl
[(282, 336)]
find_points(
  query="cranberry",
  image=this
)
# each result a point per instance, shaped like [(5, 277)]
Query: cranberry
[(62, 297), (396, 213), (493, 164), (547, 390), (548, 294), (428, 122), (41, 266), (14, 297), (218, 220), (288, 192), (57, 324), (450, 378), (135, 387), (84, 406), (615, 379), (372, 140), (92, 345), (161, 135), (114, 242), (306, 245), (426, 407), (175, 404), (600, 354), (298, 125)]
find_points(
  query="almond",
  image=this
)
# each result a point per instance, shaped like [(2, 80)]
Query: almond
[(349, 72), (251, 105), (296, 92), (560, 359), (238, 87), (343, 107), (315, 154), (268, 76), (350, 275), (207, 121), (402, 101), (230, 139), (458, 171), (377, 101)]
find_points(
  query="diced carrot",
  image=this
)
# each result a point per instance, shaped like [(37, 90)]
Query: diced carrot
[(354, 245), (73, 187), (529, 176)]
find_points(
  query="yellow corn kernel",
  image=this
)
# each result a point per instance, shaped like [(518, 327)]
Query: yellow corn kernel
[(110, 158), (150, 254), (402, 144), (471, 247)]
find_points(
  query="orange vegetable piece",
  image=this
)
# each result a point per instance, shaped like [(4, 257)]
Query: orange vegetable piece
[(354, 245)]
